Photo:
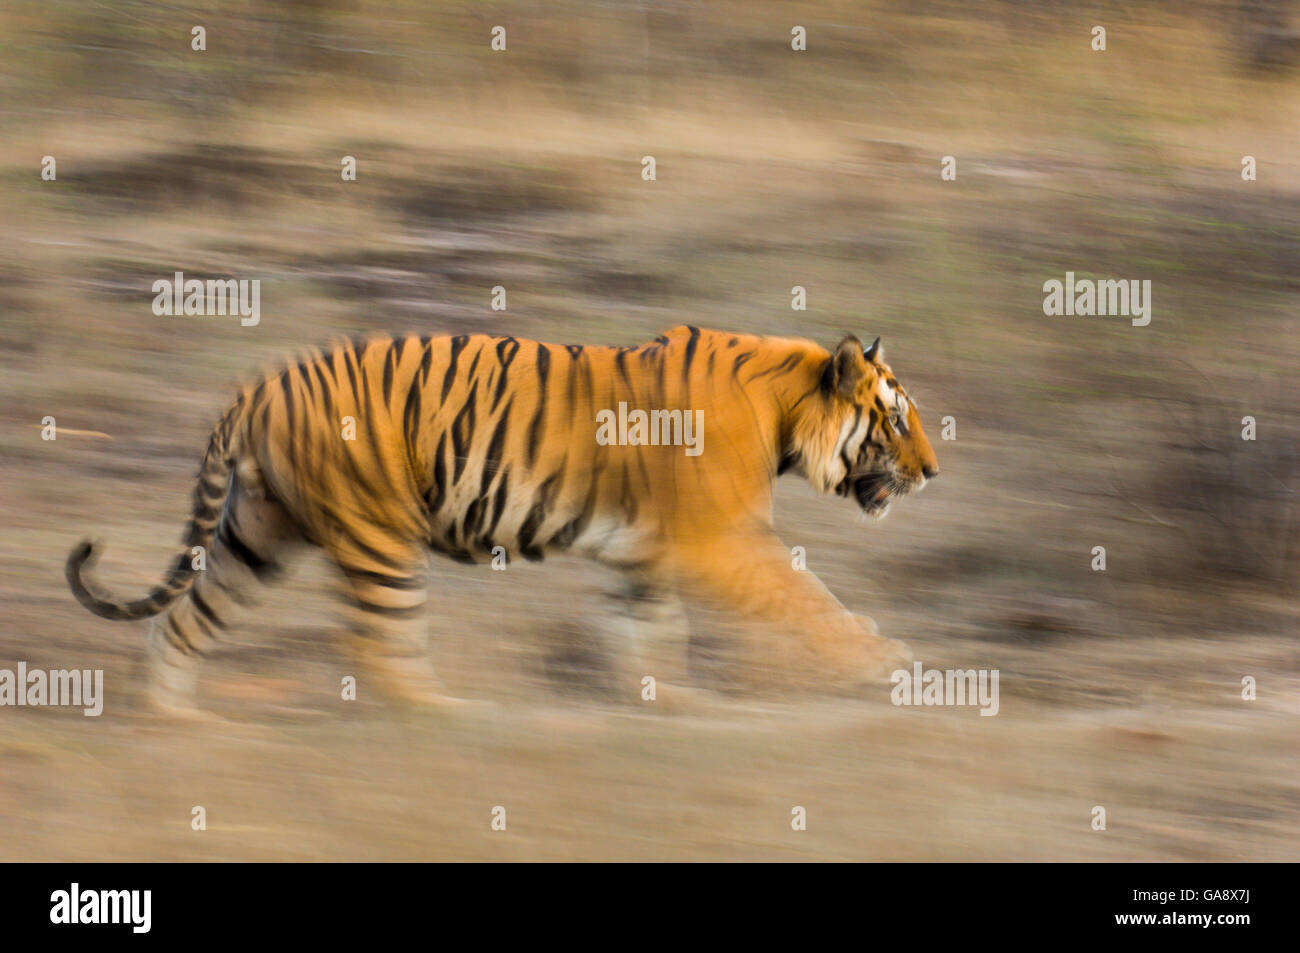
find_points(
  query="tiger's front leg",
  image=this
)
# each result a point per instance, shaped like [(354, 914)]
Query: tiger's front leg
[(749, 571)]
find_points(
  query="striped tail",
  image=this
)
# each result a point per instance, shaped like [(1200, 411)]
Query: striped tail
[(209, 500)]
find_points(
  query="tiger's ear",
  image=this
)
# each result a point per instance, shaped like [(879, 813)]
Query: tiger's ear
[(874, 353), (846, 368)]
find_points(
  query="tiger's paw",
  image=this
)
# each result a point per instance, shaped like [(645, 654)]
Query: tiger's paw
[(425, 695), (875, 658), (893, 655), (455, 707), (672, 698), (418, 699), (180, 709), (408, 681)]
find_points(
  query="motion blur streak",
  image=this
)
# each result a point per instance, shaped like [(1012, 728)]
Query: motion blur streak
[(1113, 533)]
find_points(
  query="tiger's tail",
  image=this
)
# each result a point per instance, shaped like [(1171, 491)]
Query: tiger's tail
[(209, 499)]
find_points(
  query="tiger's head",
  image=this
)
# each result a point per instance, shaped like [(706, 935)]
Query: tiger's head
[(864, 439)]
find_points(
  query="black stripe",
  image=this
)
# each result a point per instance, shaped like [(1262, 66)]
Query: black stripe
[(462, 434), (390, 366), (287, 386), (388, 582), (815, 388), (258, 394), (401, 347), (475, 513), (690, 351), (291, 444), (327, 386), (543, 364), (457, 345), (543, 375), (359, 349), (506, 351), (306, 382), (498, 505), (571, 384), (537, 514), (262, 568), (785, 365), (570, 531), (426, 361), (411, 418), (390, 612), (205, 610), (439, 491), (235, 594), (180, 642), (387, 560), (620, 361), (346, 357), (454, 553), (493, 459)]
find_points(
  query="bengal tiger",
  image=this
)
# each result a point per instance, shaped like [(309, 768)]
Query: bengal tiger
[(382, 449)]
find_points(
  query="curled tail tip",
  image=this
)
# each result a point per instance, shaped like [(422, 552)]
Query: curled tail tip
[(85, 551), (84, 554)]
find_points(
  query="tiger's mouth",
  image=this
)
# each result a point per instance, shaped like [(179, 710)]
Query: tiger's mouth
[(873, 492)]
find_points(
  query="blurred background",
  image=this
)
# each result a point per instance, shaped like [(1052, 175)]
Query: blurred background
[(775, 168)]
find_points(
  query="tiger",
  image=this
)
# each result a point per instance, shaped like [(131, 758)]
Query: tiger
[(385, 449)]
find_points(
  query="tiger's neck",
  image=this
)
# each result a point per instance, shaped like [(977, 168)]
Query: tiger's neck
[(790, 370)]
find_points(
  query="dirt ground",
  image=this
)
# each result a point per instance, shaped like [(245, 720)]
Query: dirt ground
[(1120, 689)]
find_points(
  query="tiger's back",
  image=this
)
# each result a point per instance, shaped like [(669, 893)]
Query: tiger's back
[(476, 442)]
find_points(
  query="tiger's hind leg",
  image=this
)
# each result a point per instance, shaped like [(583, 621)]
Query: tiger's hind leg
[(389, 628), (254, 534)]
